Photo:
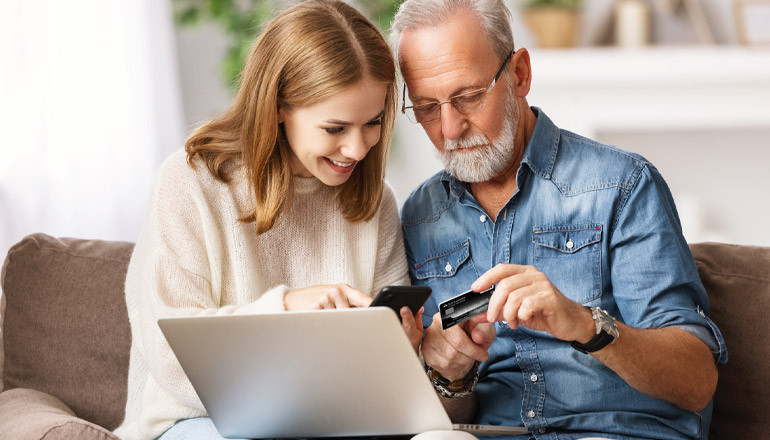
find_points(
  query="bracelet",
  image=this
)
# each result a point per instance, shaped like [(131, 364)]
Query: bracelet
[(454, 389)]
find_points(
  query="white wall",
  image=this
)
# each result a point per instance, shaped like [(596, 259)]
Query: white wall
[(715, 171)]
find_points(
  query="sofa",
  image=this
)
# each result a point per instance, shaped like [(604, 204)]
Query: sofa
[(65, 338)]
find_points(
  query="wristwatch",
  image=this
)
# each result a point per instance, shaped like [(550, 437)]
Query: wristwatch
[(454, 389), (606, 332)]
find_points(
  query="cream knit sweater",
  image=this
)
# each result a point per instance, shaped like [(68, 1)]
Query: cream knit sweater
[(193, 257)]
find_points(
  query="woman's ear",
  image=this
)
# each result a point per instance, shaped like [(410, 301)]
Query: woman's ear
[(280, 115)]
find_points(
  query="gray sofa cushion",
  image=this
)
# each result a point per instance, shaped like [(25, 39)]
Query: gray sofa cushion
[(65, 329), (34, 415), (737, 279)]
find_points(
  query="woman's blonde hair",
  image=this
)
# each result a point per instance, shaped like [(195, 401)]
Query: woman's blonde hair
[(304, 55)]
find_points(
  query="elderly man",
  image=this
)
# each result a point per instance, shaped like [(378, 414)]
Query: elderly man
[(598, 323)]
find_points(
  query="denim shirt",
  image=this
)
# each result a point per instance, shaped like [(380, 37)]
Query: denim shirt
[(601, 224)]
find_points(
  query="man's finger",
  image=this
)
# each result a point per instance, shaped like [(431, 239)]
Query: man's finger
[(482, 333), (507, 290), (495, 275), (462, 342)]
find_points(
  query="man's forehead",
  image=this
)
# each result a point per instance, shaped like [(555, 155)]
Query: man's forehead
[(445, 65), (455, 47)]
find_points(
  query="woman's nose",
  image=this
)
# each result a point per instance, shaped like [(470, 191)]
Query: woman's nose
[(355, 146)]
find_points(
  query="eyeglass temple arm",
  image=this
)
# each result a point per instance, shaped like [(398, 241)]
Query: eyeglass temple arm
[(500, 72)]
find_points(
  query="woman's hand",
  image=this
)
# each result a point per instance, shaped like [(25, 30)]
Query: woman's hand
[(332, 296), (412, 325)]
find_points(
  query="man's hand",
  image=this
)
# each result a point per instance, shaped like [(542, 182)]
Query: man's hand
[(334, 296), (525, 296), (452, 352)]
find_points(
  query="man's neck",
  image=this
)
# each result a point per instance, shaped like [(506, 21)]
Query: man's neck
[(493, 194)]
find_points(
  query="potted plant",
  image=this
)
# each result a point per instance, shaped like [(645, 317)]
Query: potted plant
[(554, 23), (241, 21)]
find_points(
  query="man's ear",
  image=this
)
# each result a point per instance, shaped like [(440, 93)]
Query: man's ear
[(521, 71)]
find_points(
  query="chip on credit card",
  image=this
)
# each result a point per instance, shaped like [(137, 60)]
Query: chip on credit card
[(464, 307)]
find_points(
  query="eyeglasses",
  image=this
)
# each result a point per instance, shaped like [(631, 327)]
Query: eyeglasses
[(464, 103)]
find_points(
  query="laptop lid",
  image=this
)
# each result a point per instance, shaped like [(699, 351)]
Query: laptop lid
[(323, 373)]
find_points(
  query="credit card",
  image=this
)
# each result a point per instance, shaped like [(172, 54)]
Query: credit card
[(464, 307)]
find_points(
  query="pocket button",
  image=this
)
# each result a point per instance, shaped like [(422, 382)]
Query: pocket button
[(448, 267), (570, 244)]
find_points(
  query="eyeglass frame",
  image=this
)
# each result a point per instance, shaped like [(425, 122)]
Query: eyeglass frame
[(404, 107)]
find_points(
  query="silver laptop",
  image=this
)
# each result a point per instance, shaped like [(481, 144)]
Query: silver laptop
[(330, 373)]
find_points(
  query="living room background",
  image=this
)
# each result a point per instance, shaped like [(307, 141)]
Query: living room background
[(94, 95)]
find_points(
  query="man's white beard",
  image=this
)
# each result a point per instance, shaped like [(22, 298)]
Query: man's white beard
[(489, 159)]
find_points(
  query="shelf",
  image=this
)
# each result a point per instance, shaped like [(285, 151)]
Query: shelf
[(594, 89)]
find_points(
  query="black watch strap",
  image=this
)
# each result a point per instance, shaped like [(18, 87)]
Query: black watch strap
[(598, 342)]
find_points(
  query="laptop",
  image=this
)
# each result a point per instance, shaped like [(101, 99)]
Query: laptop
[(326, 373)]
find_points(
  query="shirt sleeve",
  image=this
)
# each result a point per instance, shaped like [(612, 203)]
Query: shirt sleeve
[(655, 282), (170, 275)]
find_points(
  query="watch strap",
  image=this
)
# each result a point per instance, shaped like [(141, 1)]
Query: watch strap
[(598, 342), (454, 389)]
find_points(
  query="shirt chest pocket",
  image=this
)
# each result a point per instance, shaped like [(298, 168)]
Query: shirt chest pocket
[(448, 272), (570, 256)]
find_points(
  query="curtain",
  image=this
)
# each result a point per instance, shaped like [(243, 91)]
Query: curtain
[(90, 105)]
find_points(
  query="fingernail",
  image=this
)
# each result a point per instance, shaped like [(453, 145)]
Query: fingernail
[(475, 285)]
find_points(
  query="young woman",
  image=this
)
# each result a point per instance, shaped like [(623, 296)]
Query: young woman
[(277, 204)]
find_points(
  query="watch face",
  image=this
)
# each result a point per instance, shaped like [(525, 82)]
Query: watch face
[(605, 322)]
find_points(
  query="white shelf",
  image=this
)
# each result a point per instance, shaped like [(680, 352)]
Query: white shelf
[(664, 66), (670, 88)]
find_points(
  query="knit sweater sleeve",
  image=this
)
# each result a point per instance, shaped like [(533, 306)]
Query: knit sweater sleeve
[(390, 268), (171, 269)]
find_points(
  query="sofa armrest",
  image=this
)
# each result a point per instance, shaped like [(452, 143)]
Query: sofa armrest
[(27, 414)]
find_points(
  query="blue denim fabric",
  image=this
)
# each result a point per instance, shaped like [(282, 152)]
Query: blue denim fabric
[(601, 224)]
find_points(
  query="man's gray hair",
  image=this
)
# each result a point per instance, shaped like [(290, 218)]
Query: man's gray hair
[(493, 15)]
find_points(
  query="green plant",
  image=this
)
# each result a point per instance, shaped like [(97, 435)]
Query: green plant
[(568, 4), (242, 20)]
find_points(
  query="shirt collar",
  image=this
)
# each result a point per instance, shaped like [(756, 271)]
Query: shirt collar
[(543, 145), (540, 154)]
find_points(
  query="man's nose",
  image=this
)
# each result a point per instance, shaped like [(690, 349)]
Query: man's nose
[(453, 123)]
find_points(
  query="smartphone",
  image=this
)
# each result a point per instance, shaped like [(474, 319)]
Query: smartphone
[(397, 297)]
